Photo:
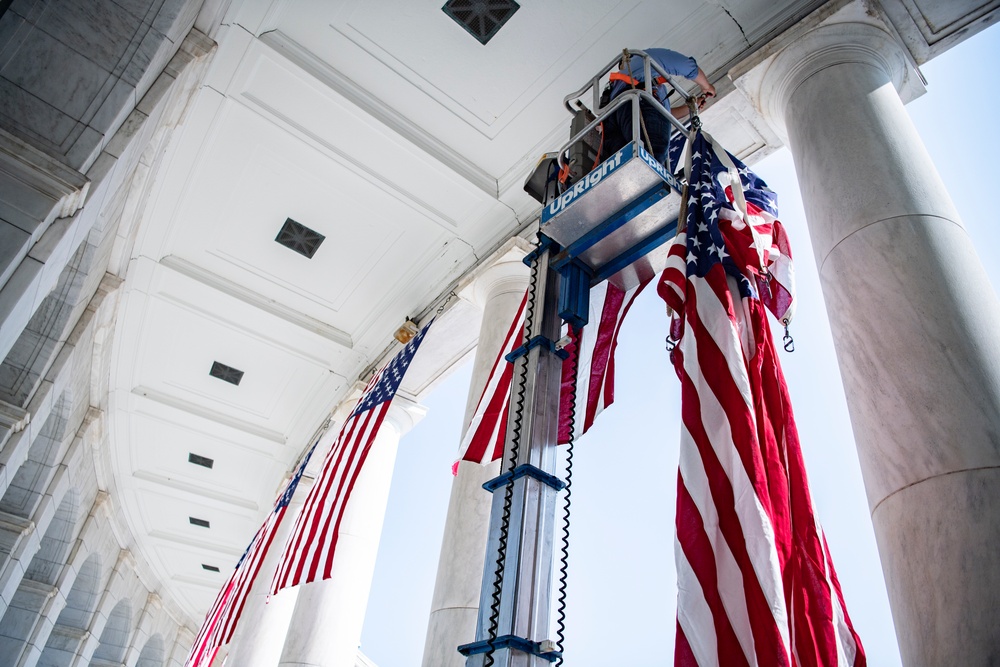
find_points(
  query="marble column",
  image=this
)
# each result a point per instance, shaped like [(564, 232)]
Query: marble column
[(455, 605), (916, 328), (325, 629), (264, 623)]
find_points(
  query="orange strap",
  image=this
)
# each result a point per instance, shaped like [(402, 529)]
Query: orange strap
[(564, 173), (622, 76)]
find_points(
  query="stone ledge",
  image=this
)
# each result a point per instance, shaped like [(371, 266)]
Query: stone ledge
[(13, 417), (66, 187)]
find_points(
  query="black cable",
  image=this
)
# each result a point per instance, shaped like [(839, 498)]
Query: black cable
[(508, 494), (564, 550)]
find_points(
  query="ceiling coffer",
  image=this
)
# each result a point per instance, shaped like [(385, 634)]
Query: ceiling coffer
[(481, 18)]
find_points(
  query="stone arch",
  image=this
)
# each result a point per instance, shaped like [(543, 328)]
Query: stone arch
[(37, 346), (32, 477), (38, 585), (114, 637), (70, 628), (152, 653), (52, 554)]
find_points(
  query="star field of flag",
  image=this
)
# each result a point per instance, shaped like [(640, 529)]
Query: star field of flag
[(706, 247), (387, 385), (754, 188), (286, 497), (310, 550)]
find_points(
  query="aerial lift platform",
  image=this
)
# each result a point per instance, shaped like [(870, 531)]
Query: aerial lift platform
[(611, 221)]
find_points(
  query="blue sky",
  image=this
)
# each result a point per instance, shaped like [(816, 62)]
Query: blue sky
[(622, 587)]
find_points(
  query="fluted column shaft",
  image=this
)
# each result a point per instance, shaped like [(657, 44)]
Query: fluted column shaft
[(917, 332), (264, 622), (326, 625), (455, 605)]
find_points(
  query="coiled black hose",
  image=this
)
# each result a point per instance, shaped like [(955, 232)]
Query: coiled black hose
[(564, 550), (508, 494)]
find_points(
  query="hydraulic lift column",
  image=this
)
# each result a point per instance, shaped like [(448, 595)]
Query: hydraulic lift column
[(526, 493)]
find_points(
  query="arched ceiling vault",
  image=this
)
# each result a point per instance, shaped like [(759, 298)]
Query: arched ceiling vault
[(397, 141)]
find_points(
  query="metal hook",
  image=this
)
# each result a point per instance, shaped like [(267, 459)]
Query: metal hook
[(695, 118), (786, 340), (671, 344), (444, 303)]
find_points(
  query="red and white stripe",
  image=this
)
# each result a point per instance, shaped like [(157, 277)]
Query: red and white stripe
[(206, 646), (221, 620), (595, 385), (756, 582), (309, 551), (484, 438)]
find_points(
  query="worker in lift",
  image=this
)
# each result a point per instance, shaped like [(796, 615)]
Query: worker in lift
[(618, 126)]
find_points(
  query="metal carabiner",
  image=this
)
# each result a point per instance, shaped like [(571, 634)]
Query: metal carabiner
[(786, 340)]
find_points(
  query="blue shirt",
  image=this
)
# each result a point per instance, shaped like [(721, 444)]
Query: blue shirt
[(673, 63)]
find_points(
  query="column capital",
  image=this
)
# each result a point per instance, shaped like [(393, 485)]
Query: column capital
[(843, 39), (404, 414), (504, 272)]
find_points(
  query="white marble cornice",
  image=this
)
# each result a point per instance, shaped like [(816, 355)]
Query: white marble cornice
[(505, 271), (64, 186), (850, 34)]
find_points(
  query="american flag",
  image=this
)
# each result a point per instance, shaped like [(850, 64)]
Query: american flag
[(595, 372), (311, 547), (756, 581), (484, 438), (220, 622)]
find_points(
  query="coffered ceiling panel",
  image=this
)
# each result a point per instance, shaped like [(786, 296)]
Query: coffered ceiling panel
[(479, 108), (178, 352)]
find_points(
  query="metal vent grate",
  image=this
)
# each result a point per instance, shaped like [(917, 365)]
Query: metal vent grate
[(299, 238), (210, 568), (203, 461), (481, 18), (226, 374), (199, 522)]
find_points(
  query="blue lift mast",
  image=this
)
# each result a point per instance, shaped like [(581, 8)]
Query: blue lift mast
[(611, 222)]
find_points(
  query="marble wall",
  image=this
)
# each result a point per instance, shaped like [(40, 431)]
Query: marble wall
[(73, 71), (88, 91)]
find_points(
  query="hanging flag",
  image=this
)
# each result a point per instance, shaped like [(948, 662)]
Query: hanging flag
[(220, 622), (311, 547), (595, 372), (755, 577), (484, 438)]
